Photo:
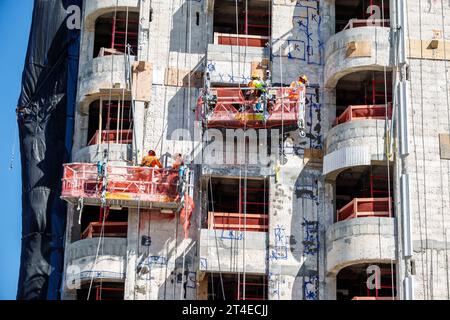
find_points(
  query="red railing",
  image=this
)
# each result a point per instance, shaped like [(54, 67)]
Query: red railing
[(108, 293), (366, 207), (364, 112), (254, 291), (235, 108), (238, 221), (374, 298), (145, 184), (111, 230), (112, 136)]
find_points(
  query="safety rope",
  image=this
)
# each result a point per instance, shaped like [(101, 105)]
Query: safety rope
[(387, 135), (448, 163)]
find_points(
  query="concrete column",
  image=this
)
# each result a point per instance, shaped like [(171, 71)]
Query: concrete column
[(132, 251)]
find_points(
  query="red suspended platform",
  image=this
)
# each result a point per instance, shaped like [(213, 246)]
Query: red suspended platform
[(133, 187), (234, 108)]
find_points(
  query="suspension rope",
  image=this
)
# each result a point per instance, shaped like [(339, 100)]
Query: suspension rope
[(448, 118)]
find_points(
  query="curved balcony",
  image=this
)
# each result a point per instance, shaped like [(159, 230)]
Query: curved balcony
[(95, 77), (354, 143), (361, 240), (110, 266), (356, 49), (94, 9)]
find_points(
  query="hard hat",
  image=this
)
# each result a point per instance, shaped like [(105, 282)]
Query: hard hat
[(303, 78), (255, 76), (152, 153)]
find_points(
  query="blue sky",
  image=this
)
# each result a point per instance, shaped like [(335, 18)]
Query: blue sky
[(15, 22)]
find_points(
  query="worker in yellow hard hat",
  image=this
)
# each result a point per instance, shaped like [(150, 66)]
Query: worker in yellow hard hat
[(298, 85), (258, 89)]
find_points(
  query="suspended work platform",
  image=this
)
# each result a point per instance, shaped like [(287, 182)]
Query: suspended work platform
[(235, 108), (132, 187)]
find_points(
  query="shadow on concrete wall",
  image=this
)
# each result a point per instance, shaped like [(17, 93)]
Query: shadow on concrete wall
[(189, 16)]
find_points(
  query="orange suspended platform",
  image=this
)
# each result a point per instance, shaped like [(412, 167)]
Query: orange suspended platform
[(232, 108), (132, 187)]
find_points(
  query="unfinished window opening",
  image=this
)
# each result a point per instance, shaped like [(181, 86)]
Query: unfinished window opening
[(114, 31), (352, 282), (364, 191), (112, 123), (102, 291), (253, 27), (233, 287), (238, 205), (116, 222), (364, 95), (361, 13)]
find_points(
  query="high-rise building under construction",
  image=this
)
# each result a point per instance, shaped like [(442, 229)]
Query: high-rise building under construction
[(271, 187)]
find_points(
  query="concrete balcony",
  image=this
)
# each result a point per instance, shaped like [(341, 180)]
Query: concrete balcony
[(99, 74), (354, 143), (110, 265), (356, 49), (94, 9), (360, 240), (232, 64), (223, 251), (118, 153)]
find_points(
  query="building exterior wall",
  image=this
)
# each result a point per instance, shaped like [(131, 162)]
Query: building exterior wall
[(304, 249)]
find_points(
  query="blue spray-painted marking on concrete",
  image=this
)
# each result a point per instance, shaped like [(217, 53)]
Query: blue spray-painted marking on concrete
[(203, 264), (311, 237), (305, 43), (311, 287), (280, 250), (232, 235)]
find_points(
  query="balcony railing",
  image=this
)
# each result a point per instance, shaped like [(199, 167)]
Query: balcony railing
[(357, 23), (374, 298), (238, 222), (112, 136), (110, 230), (238, 108), (366, 207), (136, 185), (241, 40), (362, 112)]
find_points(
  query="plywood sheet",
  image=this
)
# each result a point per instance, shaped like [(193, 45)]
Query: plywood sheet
[(444, 146), (183, 78), (358, 49), (142, 81)]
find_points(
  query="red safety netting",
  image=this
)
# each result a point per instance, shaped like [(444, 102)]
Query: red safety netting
[(365, 112), (234, 109), (123, 183)]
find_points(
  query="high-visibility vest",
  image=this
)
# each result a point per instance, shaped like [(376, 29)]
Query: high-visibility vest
[(151, 161)]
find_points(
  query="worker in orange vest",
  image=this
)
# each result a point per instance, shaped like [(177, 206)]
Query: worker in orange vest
[(151, 160), (298, 85)]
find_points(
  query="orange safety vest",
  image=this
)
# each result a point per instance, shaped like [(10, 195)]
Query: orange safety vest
[(151, 161), (296, 86)]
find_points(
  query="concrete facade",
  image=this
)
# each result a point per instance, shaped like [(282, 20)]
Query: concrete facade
[(305, 248)]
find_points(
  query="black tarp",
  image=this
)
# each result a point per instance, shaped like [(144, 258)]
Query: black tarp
[(45, 118)]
